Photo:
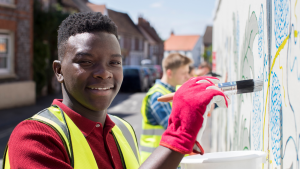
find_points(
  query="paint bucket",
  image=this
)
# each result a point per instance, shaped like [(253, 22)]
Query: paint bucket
[(225, 160)]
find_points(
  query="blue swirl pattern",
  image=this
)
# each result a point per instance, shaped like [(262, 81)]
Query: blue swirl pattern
[(265, 66), (281, 18), (256, 121), (275, 121)]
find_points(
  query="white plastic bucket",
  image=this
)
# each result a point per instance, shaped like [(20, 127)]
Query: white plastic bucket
[(225, 160)]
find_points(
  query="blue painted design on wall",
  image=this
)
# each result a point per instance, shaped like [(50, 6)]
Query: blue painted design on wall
[(293, 66), (281, 20), (265, 67), (257, 107), (260, 35), (293, 32), (256, 121), (275, 121)]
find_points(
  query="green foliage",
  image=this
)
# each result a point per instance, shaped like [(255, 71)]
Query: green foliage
[(208, 54), (40, 64), (46, 23)]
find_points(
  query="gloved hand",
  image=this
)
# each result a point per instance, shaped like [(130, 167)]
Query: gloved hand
[(187, 121)]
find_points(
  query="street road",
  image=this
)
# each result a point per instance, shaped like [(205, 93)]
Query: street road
[(125, 105)]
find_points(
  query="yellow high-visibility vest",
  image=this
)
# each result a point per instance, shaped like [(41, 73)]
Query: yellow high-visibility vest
[(79, 151), (151, 134)]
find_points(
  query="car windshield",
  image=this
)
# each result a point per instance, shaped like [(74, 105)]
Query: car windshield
[(130, 72)]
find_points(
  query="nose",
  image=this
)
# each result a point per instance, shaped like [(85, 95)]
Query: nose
[(102, 72), (187, 77)]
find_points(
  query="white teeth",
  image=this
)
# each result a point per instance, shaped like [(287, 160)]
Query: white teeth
[(101, 88)]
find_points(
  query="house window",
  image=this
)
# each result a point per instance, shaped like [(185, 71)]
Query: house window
[(5, 54), (136, 44), (141, 45), (132, 43)]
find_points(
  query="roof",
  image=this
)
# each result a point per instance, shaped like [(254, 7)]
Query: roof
[(148, 31), (79, 4), (122, 20), (147, 36), (181, 42), (97, 8), (207, 37), (124, 23)]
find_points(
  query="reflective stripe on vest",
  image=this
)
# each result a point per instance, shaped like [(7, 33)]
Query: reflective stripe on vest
[(79, 151), (127, 140), (151, 134)]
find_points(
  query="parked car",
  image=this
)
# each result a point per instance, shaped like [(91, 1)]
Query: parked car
[(135, 78), (153, 73), (146, 62), (149, 73), (159, 71)]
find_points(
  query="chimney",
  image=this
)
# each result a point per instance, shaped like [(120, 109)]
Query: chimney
[(140, 19), (172, 32)]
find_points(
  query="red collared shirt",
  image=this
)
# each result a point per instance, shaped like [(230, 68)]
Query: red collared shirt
[(35, 145)]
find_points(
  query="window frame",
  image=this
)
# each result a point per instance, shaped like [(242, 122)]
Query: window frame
[(9, 71)]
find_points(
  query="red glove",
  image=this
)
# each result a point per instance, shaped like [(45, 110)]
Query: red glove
[(190, 105)]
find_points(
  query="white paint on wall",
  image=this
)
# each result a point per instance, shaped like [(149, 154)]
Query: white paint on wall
[(268, 120)]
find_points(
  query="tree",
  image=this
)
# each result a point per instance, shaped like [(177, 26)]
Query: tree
[(46, 23), (208, 54)]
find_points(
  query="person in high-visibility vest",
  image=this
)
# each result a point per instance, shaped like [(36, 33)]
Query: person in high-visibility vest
[(76, 131), (156, 114)]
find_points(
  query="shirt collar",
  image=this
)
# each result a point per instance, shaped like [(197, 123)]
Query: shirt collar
[(85, 125), (166, 85)]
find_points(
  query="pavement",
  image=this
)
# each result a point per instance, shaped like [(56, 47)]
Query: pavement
[(125, 105)]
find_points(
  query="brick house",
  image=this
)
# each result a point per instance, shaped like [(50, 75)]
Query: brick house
[(16, 53), (130, 37), (154, 46)]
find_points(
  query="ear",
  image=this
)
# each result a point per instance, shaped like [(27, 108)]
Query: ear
[(57, 70), (169, 73)]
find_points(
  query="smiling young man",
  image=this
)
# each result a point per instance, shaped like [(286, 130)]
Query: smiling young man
[(77, 132)]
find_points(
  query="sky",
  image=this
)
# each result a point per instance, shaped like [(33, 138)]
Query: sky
[(184, 17)]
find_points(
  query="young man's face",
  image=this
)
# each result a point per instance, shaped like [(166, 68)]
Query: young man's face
[(92, 69), (180, 75)]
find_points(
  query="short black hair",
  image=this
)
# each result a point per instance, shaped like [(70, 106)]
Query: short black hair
[(80, 23)]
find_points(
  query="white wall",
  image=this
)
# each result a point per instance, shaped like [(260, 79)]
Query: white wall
[(17, 94), (259, 39)]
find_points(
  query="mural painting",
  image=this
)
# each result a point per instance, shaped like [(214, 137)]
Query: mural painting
[(259, 39)]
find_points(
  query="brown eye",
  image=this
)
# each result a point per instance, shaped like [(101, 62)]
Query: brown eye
[(85, 63), (115, 62)]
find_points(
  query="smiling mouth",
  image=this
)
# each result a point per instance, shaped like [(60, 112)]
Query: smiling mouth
[(101, 89)]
